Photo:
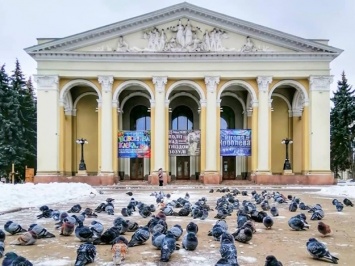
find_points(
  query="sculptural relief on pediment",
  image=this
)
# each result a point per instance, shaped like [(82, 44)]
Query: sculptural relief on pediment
[(183, 36)]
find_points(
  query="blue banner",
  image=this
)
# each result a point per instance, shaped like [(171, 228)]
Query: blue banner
[(235, 142), (134, 144)]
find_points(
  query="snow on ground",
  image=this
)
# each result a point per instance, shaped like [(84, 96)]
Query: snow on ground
[(30, 195)]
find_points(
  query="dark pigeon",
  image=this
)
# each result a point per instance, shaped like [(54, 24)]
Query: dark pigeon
[(86, 254), (272, 261), (348, 202), (190, 241), (12, 259), (319, 251), (75, 209)]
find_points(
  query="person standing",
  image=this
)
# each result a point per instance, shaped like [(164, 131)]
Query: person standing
[(160, 176)]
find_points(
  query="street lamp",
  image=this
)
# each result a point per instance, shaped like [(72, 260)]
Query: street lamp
[(82, 165), (287, 164)]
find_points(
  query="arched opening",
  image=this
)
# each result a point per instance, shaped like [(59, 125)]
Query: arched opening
[(182, 118), (140, 118), (227, 118)]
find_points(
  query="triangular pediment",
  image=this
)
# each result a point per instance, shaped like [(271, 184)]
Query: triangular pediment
[(183, 28)]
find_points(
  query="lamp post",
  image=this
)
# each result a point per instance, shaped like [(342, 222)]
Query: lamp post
[(287, 164), (82, 165)]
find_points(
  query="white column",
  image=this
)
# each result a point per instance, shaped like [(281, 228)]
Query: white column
[(211, 123), (47, 125), (106, 125), (159, 129), (319, 123), (263, 124)]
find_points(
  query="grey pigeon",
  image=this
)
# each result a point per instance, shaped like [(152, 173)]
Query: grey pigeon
[(168, 246), (228, 250), (297, 224), (190, 241), (86, 254), (13, 228), (274, 211), (140, 236), (40, 231), (157, 239), (319, 251), (177, 231)]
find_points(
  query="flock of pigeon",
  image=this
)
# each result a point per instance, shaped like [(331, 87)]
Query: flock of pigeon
[(248, 209)]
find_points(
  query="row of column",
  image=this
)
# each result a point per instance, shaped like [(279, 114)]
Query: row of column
[(48, 121)]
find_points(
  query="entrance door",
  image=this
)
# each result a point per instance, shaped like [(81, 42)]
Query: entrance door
[(228, 167), (182, 167), (136, 166)]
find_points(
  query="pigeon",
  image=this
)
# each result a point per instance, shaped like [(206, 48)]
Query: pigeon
[(109, 208), (297, 224), (216, 231), (293, 206), (268, 222), (348, 202), (108, 236), (140, 236), (126, 212), (339, 206), (324, 229), (90, 213), (243, 234), (2, 248), (157, 239), (303, 206), (211, 190), (13, 228), (177, 231), (40, 231), (68, 226), (75, 209), (228, 249), (46, 212), (192, 227), (272, 261), (84, 233), (334, 201), (121, 225), (85, 254), (319, 251), (187, 196), (190, 241), (129, 193), (119, 251), (2, 236), (97, 228), (12, 259), (168, 246), (274, 211), (26, 239)]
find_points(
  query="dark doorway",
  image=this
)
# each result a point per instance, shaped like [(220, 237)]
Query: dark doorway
[(182, 167), (136, 166), (228, 167)]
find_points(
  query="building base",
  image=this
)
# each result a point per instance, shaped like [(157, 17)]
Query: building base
[(293, 179), (210, 177), (90, 180), (153, 179)]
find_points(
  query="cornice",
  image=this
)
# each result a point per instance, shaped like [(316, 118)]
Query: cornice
[(194, 57), (184, 10)]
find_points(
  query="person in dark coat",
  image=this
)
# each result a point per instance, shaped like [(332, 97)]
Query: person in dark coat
[(160, 176)]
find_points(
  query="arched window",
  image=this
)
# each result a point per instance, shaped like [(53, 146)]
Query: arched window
[(182, 118), (140, 118), (227, 118)]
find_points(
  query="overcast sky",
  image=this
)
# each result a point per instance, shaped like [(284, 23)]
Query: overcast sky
[(22, 21)]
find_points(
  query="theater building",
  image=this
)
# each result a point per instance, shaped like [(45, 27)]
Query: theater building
[(202, 95)]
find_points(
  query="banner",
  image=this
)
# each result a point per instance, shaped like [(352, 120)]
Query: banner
[(235, 142), (134, 144), (184, 142)]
